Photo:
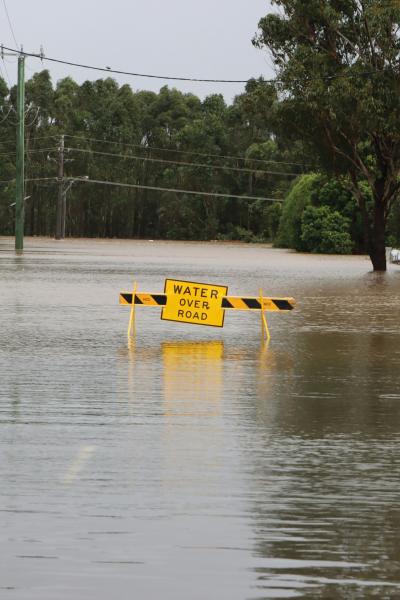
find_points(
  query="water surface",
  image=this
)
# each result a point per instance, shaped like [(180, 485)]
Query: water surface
[(197, 463)]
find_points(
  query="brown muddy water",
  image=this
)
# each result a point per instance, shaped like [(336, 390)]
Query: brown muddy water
[(197, 463)]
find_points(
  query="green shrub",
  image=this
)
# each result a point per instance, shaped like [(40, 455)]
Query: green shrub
[(241, 234), (393, 228), (325, 231), (300, 196)]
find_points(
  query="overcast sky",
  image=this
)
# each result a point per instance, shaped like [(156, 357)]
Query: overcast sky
[(194, 38)]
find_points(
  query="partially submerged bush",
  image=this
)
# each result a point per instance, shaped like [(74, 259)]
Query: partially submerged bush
[(325, 231)]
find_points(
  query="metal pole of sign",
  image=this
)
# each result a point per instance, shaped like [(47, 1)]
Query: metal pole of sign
[(131, 326), (20, 163), (264, 322)]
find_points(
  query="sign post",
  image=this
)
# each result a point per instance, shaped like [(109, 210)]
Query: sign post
[(131, 326)]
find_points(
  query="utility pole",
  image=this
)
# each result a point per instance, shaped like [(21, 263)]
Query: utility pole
[(20, 166), (60, 213), (64, 185), (64, 214), (20, 154)]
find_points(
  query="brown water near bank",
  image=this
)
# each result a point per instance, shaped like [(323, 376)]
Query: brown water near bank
[(197, 463)]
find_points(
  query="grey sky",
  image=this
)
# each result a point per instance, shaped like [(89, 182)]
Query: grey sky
[(198, 38)]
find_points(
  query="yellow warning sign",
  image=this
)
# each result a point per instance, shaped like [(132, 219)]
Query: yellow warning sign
[(196, 303)]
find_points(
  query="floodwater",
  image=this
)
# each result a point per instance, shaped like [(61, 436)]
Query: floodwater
[(197, 463)]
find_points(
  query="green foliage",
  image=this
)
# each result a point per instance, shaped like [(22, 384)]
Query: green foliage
[(167, 140), (337, 194), (272, 216), (324, 230), (3, 90), (339, 76), (314, 192), (179, 220), (393, 233), (338, 225), (300, 196)]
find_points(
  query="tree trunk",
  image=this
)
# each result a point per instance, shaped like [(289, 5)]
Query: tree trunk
[(377, 249)]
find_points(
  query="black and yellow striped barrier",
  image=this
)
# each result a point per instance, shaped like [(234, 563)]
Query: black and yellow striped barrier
[(201, 303), (143, 299), (228, 302)]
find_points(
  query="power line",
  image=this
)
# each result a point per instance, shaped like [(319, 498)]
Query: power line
[(7, 115), (7, 143), (188, 152), (149, 187), (53, 179), (170, 150), (176, 191), (120, 72), (276, 81), (34, 139), (29, 151), (6, 72), (9, 22), (29, 179), (184, 164)]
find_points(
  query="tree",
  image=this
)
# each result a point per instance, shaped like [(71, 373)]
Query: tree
[(166, 140), (339, 82)]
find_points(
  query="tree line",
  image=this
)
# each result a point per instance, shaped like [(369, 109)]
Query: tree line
[(324, 138), (167, 140)]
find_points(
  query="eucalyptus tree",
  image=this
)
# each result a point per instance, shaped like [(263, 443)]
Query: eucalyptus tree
[(7, 157), (338, 79), (167, 139)]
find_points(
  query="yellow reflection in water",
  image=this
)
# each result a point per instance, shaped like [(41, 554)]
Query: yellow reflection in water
[(193, 378), (193, 382)]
